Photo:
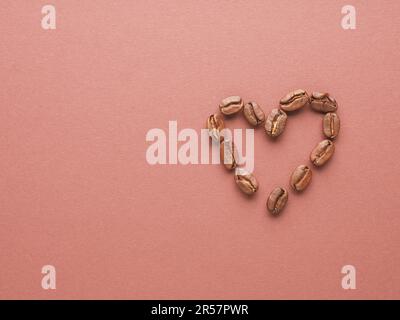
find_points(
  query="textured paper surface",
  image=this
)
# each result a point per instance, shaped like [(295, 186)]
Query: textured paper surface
[(77, 192)]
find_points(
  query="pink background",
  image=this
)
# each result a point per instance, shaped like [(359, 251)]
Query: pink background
[(76, 191)]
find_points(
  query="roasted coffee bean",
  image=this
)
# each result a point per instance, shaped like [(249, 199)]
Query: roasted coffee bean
[(301, 178), (231, 105), (323, 102), (215, 124), (246, 181), (294, 100), (331, 125), (276, 122), (229, 154), (322, 152), (253, 113), (277, 200)]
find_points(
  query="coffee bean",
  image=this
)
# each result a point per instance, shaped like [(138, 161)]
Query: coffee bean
[(246, 181), (215, 124), (331, 125), (253, 113), (277, 200), (322, 152), (276, 122), (294, 100), (323, 102), (231, 105), (301, 178), (229, 154)]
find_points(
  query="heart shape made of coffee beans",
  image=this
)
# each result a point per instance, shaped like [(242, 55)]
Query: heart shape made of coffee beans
[(274, 125)]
